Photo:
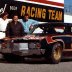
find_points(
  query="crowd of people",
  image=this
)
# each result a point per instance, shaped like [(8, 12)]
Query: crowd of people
[(15, 27)]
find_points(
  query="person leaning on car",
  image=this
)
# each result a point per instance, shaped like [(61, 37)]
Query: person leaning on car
[(28, 23), (14, 28)]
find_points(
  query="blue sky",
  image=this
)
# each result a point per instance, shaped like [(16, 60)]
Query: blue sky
[(69, 2), (68, 5)]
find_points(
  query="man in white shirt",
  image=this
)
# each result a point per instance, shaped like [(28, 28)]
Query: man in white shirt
[(3, 24)]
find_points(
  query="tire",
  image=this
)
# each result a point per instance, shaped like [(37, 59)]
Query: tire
[(54, 53)]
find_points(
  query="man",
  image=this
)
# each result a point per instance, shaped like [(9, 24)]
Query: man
[(14, 28), (28, 23), (3, 24)]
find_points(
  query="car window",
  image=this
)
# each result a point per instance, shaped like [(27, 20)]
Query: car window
[(43, 30), (60, 29), (38, 30)]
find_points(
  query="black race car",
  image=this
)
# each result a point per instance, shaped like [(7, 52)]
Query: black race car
[(51, 40)]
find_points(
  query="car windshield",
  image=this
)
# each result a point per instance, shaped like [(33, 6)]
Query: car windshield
[(47, 29)]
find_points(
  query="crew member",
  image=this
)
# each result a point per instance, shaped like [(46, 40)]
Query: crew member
[(28, 23), (3, 24), (14, 28)]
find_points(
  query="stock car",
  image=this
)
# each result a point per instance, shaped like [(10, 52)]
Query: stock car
[(51, 40)]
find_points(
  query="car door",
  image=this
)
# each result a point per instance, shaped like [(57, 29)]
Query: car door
[(71, 37), (68, 41), (68, 37)]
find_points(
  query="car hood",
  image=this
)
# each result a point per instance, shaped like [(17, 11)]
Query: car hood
[(30, 37)]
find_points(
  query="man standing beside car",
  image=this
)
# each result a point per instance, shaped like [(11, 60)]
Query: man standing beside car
[(14, 28), (28, 23), (3, 24)]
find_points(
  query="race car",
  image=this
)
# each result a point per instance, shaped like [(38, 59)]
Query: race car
[(51, 40)]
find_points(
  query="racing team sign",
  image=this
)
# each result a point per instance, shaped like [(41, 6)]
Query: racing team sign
[(36, 11)]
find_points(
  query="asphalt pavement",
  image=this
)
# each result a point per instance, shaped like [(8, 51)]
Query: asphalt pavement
[(34, 65)]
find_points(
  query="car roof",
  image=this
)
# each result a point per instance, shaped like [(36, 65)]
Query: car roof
[(54, 24)]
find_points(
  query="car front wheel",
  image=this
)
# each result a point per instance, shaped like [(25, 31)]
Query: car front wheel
[(55, 53)]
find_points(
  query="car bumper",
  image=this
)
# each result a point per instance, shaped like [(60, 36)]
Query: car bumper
[(22, 49), (29, 52), (24, 52)]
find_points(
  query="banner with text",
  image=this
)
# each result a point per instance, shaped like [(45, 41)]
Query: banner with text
[(37, 12)]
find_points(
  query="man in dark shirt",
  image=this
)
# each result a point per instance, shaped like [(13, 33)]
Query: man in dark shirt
[(14, 28)]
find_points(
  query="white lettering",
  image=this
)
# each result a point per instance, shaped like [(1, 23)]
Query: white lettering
[(3, 9), (13, 8)]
